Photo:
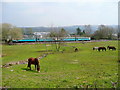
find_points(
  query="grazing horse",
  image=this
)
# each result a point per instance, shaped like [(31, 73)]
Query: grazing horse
[(76, 49), (95, 48), (101, 48), (35, 62), (111, 47)]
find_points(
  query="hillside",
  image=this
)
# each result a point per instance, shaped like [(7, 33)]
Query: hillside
[(70, 29)]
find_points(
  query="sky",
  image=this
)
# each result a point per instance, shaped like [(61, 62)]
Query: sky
[(59, 12)]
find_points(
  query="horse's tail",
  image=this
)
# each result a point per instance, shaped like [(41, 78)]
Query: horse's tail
[(29, 62)]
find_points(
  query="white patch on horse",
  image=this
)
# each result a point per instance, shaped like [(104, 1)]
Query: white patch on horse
[(95, 48), (11, 70)]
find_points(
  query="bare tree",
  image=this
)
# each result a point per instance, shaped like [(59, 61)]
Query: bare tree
[(10, 32), (57, 36), (29, 32), (104, 32), (87, 30)]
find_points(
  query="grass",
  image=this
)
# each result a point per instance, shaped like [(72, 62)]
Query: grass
[(85, 68)]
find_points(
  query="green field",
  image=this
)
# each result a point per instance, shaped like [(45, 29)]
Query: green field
[(82, 69)]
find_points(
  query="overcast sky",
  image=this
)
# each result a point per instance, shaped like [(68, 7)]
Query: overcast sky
[(59, 12)]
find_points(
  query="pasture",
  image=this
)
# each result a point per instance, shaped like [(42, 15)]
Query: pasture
[(83, 69)]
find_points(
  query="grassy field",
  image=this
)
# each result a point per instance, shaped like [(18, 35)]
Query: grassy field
[(85, 68)]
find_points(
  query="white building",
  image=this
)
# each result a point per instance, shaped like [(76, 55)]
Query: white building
[(41, 34)]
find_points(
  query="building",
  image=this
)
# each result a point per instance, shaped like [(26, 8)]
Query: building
[(40, 34)]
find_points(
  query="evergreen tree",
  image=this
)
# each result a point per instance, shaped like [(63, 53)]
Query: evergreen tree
[(83, 32), (79, 31)]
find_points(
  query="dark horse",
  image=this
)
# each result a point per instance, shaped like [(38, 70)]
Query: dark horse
[(76, 49), (35, 62), (101, 48), (111, 47)]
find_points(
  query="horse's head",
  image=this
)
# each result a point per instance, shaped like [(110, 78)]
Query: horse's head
[(38, 68)]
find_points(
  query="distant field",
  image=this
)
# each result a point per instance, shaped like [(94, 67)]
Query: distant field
[(85, 68)]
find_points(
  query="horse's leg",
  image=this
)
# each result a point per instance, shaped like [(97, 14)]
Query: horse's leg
[(30, 66), (113, 48), (99, 50), (27, 66), (38, 67), (35, 67)]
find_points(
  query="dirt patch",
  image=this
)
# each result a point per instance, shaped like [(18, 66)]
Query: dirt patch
[(45, 51), (74, 62), (22, 61), (15, 63), (3, 55)]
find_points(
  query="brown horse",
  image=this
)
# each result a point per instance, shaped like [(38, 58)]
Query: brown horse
[(111, 47), (101, 48), (35, 62)]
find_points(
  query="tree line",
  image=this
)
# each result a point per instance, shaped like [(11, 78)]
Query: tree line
[(10, 32), (102, 32)]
